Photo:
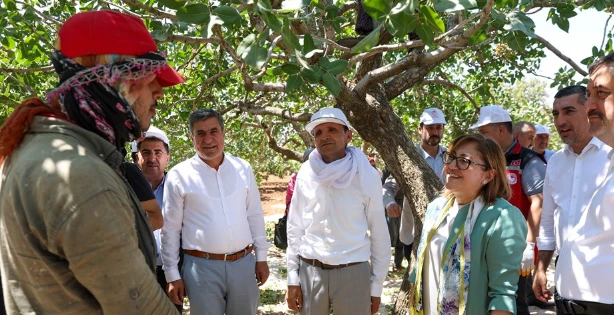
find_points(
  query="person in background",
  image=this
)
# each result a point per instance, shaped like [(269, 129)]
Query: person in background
[(542, 140), (290, 189), (432, 124), (473, 239), (524, 133)]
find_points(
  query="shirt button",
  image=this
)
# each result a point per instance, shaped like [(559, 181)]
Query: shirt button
[(134, 294)]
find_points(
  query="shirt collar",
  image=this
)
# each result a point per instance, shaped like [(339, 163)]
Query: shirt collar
[(425, 155), (199, 160), (594, 143)]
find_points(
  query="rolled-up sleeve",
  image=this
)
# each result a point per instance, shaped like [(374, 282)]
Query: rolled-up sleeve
[(503, 256)]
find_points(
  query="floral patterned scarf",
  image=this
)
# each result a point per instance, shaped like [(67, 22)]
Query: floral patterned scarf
[(456, 261)]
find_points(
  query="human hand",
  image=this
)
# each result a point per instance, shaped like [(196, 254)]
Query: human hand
[(540, 287), (375, 302), (175, 291), (262, 272), (528, 259), (294, 298), (393, 210)]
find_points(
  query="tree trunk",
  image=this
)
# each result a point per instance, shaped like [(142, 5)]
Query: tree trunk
[(375, 120)]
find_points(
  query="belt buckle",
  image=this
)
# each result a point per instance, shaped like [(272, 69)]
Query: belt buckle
[(225, 256), (207, 255)]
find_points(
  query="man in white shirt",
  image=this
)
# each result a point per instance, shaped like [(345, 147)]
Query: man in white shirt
[(432, 123), (213, 203), (583, 275), (572, 176), (336, 225)]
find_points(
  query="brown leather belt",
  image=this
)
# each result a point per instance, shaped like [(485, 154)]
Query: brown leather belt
[(225, 257), (321, 265)]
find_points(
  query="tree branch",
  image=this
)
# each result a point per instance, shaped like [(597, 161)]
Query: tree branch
[(274, 111), (272, 142), (454, 86), (605, 31), (29, 70), (560, 55), (156, 12)]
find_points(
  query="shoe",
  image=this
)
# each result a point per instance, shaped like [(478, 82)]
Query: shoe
[(397, 268), (540, 304)]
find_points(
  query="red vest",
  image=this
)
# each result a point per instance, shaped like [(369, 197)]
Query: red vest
[(516, 159)]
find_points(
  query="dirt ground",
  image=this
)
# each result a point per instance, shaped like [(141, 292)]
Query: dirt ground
[(273, 194)]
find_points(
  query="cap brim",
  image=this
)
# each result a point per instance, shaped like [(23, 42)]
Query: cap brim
[(168, 77), (310, 126)]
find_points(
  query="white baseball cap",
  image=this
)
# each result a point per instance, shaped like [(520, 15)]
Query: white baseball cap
[(324, 115), (541, 129), (431, 116), (492, 114), (156, 133)]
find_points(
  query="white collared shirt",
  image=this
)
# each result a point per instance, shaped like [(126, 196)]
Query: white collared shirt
[(214, 211), (339, 226), (571, 180), (436, 163), (584, 268)]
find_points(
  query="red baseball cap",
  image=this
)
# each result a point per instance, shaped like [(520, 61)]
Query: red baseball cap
[(109, 32)]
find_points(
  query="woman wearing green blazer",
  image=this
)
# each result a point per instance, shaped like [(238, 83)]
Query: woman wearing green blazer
[(472, 240)]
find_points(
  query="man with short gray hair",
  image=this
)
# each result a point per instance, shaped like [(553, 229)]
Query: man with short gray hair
[(213, 203)]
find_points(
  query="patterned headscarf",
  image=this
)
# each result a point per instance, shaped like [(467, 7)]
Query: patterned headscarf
[(86, 97)]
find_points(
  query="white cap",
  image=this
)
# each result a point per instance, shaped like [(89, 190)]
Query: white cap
[(541, 129), (431, 116), (134, 147), (156, 133), (325, 115), (492, 114)]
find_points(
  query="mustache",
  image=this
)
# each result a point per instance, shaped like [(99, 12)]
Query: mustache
[(595, 112), (152, 164)]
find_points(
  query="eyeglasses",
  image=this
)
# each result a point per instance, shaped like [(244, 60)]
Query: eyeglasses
[(461, 162)]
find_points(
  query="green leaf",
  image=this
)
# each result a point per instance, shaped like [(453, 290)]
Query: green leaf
[(337, 66), (376, 8), (207, 30), (368, 42), (255, 56), (312, 76), (431, 18), (397, 24), (290, 68), (518, 21), (288, 37), (172, 4), (407, 6), (227, 14), (194, 13), (293, 83), (271, 20), (247, 41), (308, 44), (454, 5), (331, 83), (517, 40)]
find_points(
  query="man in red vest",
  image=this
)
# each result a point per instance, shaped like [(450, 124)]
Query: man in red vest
[(525, 173)]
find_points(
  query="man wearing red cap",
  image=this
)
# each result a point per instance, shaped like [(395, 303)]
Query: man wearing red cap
[(74, 239)]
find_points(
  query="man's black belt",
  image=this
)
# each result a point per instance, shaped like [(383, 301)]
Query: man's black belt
[(321, 265), (573, 307)]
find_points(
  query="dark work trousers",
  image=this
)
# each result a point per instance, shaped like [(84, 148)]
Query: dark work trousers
[(162, 282), (522, 307)]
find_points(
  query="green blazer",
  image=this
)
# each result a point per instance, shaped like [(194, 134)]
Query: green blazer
[(498, 240)]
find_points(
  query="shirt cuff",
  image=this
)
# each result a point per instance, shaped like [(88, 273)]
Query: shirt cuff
[(546, 243), (376, 289), (261, 255), (172, 274), (293, 278)]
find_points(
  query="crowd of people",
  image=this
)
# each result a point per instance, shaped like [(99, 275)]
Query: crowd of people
[(83, 231)]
